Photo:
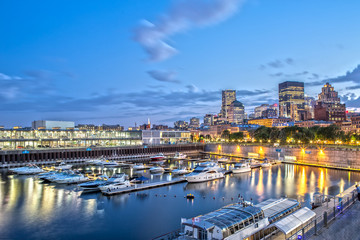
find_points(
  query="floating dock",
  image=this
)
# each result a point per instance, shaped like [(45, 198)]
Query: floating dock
[(145, 186)]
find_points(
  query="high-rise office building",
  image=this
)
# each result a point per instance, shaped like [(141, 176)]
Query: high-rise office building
[(194, 122), (310, 106), (236, 113), (328, 106), (228, 96), (208, 120), (291, 101)]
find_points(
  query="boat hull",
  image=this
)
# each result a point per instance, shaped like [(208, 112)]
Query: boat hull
[(241, 170), (195, 178)]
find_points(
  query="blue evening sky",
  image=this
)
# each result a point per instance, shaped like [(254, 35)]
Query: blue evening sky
[(121, 62)]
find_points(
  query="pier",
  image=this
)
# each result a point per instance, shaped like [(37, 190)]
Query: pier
[(144, 186), (14, 158)]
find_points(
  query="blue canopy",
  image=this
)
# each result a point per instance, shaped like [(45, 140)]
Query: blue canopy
[(142, 178)]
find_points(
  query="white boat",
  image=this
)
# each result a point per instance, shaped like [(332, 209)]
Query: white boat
[(223, 160), (108, 163), (157, 169), (180, 171), (265, 164), (115, 186), (205, 172), (139, 167), (241, 168), (63, 166), (31, 169), (159, 158), (76, 178), (179, 155), (254, 163)]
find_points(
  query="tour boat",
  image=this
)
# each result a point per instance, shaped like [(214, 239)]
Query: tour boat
[(241, 168), (179, 155), (159, 158), (205, 172), (115, 186), (180, 171), (63, 166), (157, 169)]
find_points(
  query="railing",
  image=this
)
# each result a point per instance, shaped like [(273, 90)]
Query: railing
[(169, 236), (322, 221)]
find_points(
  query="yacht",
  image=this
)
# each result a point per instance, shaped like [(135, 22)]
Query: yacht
[(159, 158), (115, 186), (157, 169), (180, 171), (108, 163), (179, 155), (254, 163), (205, 172), (265, 164), (241, 168), (28, 170), (74, 178), (63, 166), (93, 185), (140, 166), (224, 160)]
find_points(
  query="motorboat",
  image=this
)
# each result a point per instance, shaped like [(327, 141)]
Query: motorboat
[(241, 167), (139, 167), (63, 166), (180, 171), (28, 170), (254, 163), (179, 155), (223, 160), (159, 158), (157, 169), (115, 186), (93, 185), (74, 178), (205, 172), (109, 163), (265, 164)]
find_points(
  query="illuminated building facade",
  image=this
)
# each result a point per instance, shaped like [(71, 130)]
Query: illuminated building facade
[(236, 113), (155, 137), (328, 106), (228, 96), (291, 101), (45, 124), (208, 120), (268, 122), (194, 122)]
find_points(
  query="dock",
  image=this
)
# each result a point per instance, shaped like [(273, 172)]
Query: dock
[(145, 186)]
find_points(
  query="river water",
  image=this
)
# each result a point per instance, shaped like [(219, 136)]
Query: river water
[(30, 209)]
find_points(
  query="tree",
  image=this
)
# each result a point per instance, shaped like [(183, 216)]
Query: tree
[(237, 136), (225, 134)]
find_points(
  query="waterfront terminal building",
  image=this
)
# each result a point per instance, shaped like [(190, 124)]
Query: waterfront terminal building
[(155, 137)]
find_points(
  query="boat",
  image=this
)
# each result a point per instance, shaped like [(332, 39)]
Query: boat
[(190, 196), (63, 166), (180, 171), (179, 155), (73, 178), (28, 170), (159, 158), (109, 163), (115, 186), (254, 163), (139, 167), (241, 167), (266, 164), (157, 169), (93, 185), (205, 172), (223, 160)]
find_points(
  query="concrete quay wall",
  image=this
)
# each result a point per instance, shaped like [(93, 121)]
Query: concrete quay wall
[(337, 157), (23, 157)]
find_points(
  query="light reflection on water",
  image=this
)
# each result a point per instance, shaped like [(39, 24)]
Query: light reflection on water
[(34, 210)]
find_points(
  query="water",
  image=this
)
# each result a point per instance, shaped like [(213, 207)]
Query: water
[(33, 210)]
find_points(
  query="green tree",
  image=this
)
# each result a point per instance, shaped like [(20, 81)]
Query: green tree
[(225, 134), (237, 136)]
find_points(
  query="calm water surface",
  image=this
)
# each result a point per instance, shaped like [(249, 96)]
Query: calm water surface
[(30, 209)]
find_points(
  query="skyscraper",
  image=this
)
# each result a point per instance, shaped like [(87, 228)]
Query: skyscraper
[(194, 122), (328, 106), (236, 113), (228, 96), (291, 101), (209, 120)]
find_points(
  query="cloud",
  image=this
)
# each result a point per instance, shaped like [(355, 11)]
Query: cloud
[(183, 15), (278, 63), (350, 76), (247, 93), (163, 76)]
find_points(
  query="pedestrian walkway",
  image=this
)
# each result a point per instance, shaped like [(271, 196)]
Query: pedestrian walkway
[(346, 226)]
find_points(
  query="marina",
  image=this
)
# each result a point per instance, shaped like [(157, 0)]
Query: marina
[(155, 197)]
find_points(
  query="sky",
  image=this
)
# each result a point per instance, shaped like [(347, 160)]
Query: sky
[(122, 62)]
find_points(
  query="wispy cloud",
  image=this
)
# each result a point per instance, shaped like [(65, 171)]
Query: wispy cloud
[(278, 63), (350, 76), (183, 15), (164, 76)]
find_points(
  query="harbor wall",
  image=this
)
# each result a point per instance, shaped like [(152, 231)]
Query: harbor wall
[(22, 157), (337, 157)]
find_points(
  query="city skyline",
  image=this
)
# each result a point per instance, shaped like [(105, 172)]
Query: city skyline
[(95, 63)]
